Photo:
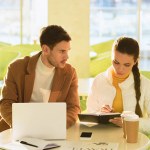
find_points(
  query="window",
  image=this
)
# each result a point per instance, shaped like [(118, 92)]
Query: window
[(22, 20), (10, 21), (110, 19)]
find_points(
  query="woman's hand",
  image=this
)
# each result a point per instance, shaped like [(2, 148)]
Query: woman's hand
[(117, 121), (106, 109)]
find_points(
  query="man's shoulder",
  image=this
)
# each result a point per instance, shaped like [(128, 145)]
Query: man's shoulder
[(24, 61), (20, 61), (69, 68)]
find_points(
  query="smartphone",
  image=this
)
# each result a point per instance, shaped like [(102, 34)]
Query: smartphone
[(86, 135), (50, 146)]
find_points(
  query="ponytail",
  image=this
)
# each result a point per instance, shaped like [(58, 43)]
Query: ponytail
[(137, 84)]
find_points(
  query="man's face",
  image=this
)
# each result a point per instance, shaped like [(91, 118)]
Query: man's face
[(122, 63), (58, 56)]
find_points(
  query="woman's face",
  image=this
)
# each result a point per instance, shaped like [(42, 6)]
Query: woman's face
[(122, 63)]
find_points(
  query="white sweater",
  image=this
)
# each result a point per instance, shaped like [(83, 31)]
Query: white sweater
[(103, 92), (42, 83)]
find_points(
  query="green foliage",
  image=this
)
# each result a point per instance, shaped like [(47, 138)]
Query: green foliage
[(83, 103), (23, 49), (5, 58), (102, 47), (9, 53), (148, 148), (146, 74), (103, 59), (2, 44), (97, 66)]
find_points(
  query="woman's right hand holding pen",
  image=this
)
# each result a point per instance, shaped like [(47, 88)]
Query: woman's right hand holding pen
[(106, 108)]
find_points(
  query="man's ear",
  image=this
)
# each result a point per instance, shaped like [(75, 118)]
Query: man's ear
[(45, 49)]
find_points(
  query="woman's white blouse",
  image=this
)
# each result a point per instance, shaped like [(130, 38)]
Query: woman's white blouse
[(103, 92)]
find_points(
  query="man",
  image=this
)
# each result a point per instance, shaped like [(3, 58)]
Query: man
[(44, 77)]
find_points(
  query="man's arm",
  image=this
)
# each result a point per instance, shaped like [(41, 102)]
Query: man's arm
[(9, 96), (73, 106)]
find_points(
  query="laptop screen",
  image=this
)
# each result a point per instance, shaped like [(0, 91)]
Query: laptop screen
[(39, 120)]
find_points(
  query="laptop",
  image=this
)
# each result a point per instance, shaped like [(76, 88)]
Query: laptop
[(39, 120)]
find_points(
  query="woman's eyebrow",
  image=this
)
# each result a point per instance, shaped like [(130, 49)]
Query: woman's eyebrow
[(119, 62), (127, 63)]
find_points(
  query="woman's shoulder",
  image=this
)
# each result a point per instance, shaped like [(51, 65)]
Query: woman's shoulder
[(144, 77), (144, 80), (100, 77)]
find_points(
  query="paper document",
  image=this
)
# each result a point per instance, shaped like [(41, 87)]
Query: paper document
[(88, 145), (64, 145), (29, 144)]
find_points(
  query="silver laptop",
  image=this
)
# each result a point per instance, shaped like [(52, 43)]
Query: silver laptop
[(39, 120)]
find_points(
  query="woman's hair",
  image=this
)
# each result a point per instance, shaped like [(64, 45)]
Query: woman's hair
[(130, 46)]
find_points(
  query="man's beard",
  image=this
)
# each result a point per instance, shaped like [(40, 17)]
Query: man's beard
[(51, 63)]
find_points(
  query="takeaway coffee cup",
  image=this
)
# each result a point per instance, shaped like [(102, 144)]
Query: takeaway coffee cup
[(123, 115), (131, 127)]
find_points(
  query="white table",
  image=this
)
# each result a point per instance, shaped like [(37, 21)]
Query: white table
[(107, 133), (100, 133)]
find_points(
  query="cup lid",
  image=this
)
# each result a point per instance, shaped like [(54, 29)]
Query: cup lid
[(126, 113), (131, 117)]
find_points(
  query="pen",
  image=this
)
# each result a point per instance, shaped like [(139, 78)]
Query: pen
[(26, 143)]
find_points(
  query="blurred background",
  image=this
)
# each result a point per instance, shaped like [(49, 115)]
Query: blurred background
[(92, 24)]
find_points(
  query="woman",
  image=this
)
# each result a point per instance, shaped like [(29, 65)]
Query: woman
[(121, 87)]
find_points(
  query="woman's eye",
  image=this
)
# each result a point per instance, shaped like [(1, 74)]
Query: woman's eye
[(127, 65)]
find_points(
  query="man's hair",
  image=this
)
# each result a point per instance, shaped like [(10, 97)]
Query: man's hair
[(53, 34)]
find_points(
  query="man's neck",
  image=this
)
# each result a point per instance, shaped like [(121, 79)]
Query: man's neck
[(44, 61)]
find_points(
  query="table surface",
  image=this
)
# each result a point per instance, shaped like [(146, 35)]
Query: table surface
[(100, 133), (107, 133)]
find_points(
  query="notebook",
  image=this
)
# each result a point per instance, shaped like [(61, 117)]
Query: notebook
[(39, 120), (98, 118)]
